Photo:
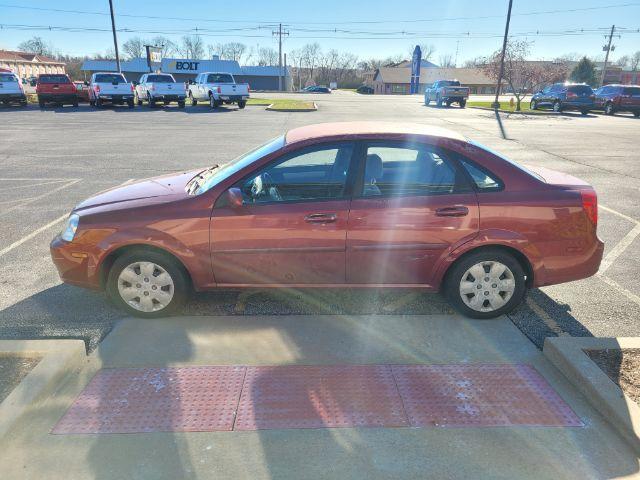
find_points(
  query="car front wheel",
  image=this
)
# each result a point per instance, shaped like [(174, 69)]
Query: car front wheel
[(533, 105), (557, 107), (486, 284), (147, 284), (608, 109)]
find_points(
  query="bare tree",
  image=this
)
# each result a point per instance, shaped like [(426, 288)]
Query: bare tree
[(311, 54), (228, 51), (634, 61), (623, 61), (428, 51), (267, 56), (134, 47), (191, 47), (169, 48), (296, 58), (38, 46), (520, 75), (446, 61)]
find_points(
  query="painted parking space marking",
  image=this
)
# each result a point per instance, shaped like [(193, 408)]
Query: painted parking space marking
[(245, 398), (39, 197)]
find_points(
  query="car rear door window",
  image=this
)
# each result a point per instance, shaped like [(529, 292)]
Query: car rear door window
[(483, 180), (160, 79), (317, 173), (581, 89), (406, 171), (633, 91), (108, 78)]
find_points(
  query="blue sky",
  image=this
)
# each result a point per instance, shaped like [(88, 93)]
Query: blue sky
[(394, 28)]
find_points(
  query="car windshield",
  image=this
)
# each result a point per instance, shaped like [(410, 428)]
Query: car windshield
[(53, 79), (508, 160), (214, 176), (160, 79), (8, 77), (108, 78), (219, 78)]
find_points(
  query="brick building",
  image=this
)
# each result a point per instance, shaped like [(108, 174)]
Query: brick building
[(27, 65)]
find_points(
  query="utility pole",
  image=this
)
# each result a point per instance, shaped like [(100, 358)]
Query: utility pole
[(279, 33), (115, 38), (606, 57), (455, 62), (496, 103)]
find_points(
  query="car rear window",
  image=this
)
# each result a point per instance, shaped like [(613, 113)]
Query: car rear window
[(450, 83), (8, 77), (53, 79), (580, 89), (508, 160), (219, 78), (108, 78), (634, 91), (160, 79)]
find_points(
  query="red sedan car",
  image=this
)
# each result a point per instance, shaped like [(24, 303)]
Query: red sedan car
[(338, 205)]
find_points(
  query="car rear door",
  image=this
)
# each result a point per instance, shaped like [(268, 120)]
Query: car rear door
[(630, 98), (411, 207), (291, 228)]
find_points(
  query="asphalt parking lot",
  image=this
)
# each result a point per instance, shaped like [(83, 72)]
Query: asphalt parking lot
[(54, 158)]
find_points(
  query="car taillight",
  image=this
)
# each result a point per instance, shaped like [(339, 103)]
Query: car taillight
[(132, 88), (219, 90), (592, 97), (590, 204), (248, 87), (571, 95), (97, 88)]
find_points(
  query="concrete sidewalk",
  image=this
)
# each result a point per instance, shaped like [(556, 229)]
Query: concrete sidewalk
[(593, 451)]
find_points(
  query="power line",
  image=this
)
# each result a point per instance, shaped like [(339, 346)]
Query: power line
[(355, 22)]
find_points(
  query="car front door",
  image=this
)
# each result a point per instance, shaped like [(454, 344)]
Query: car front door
[(291, 227), (411, 207)]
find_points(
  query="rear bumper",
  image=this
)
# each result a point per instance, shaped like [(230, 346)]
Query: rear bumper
[(571, 266), (58, 97), (233, 98), (74, 266), (116, 98), (13, 97), (578, 105), (169, 98)]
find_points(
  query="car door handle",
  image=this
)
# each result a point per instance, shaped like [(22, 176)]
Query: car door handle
[(456, 211), (321, 218)]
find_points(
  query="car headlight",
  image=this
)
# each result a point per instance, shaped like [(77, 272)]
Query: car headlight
[(69, 230)]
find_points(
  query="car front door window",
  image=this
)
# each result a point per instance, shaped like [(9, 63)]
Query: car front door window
[(314, 174)]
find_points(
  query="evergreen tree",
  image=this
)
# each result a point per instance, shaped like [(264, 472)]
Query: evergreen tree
[(585, 72)]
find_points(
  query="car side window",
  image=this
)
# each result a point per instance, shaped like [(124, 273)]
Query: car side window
[(406, 171), (318, 173), (483, 180)]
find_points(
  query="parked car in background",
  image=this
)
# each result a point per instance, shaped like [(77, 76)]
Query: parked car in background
[(618, 98), (217, 88), (56, 88), (565, 96), (82, 91), (446, 92), (363, 204), (112, 88), (317, 89), (154, 88), (365, 90), (11, 90)]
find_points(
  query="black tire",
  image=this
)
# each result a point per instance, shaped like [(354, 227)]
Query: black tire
[(213, 103), (130, 103), (75, 104), (181, 284), (533, 105), (138, 100), (41, 103), (194, 102), (557, 106), (635, 114), (98, 103), (608, 109), (242, 104), (92, 103), (181, 104), (151, 101), (463, 103), (584, 112), (455, 276), (448, 103), (438, 101), (426, 100)]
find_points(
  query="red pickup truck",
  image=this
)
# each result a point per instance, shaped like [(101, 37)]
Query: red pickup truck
[(56, 88)]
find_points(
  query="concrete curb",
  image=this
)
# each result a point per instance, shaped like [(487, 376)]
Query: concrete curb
[(567, 354), (529, 112), (294, 110), (59, 358)]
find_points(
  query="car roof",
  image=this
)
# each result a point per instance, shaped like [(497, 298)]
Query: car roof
[(367, 129)]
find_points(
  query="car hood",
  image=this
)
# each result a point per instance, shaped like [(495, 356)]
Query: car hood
[(151, 189)]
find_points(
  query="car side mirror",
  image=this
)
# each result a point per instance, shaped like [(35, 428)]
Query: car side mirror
[(234, 197)]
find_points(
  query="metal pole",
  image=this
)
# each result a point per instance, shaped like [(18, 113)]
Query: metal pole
[(606, 57), (280, 57), (496, 104), (284, 76), (115, 38)]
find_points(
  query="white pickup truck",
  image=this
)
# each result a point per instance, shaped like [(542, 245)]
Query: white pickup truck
[(11, 90), (217, 88), (159, 87), (110, 88)]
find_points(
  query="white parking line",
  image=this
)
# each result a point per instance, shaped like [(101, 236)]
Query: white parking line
[(26, 238), (619, 249), (29, 185), (630, 295), (15, 207), (621, 215)]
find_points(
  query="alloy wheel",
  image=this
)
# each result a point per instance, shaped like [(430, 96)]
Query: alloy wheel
[(487, 286), (146, 286)]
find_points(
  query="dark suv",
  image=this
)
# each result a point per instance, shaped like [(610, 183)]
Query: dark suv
[(618, 98), (565, 96)]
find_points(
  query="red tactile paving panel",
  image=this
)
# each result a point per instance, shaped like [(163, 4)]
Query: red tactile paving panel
[(319, 397), (132, 400), (480, 396)]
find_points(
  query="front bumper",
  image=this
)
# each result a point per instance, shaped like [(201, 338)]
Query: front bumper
[(75, 266)]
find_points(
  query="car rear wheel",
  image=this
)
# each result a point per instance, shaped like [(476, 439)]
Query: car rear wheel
[(193, 101), (557, 107), (147, 284), (242, 104), (635, 114), (138, 100), (486, 284), (608, 109), (213, 103), (181, 104), (438, 101), (462, 103)]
